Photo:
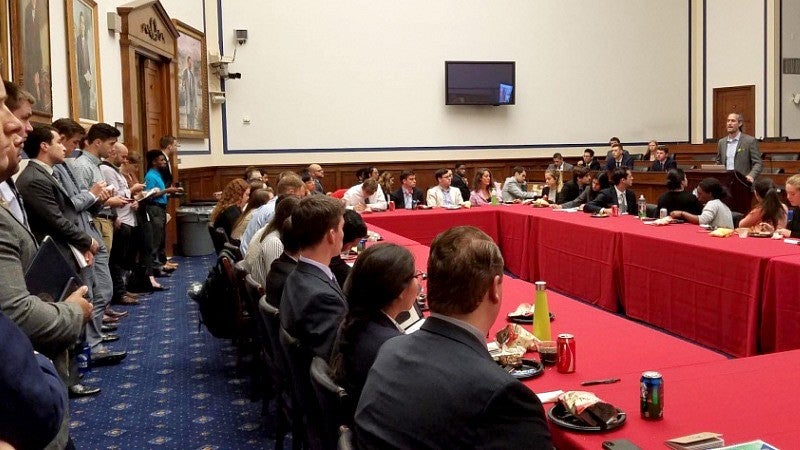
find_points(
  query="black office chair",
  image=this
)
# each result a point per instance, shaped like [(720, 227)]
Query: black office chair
[(218, 237), (333, 401), (299, 358), (285, 413), (345, 439), (234, 249), (737, 217)]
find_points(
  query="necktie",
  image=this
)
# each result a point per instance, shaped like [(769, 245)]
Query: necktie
[(618, 164), (19, 202), (623, 206)]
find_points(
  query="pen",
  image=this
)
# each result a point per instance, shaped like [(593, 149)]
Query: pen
[(603, 381)]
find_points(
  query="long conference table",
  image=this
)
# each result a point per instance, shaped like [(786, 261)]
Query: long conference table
[(677, 277), (743, 399)]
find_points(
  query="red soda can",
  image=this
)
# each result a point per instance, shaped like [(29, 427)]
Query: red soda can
[(614, 211), (391, 205), (565, 356)]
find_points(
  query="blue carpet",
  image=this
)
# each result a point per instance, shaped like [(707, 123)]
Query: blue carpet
[(179, 388)]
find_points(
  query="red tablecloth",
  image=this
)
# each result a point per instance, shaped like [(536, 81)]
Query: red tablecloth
[(577, 255), (389, 236), (703, 288), (780, 309), (514, 239), (423, 225), (743, 399)]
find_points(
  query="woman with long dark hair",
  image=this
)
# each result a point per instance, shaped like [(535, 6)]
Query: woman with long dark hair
[(382, 284), (483, 186), (715, 213), (229, 207), (770, 209), (266, 245), (258, 198), (677, 198), (599, 182)]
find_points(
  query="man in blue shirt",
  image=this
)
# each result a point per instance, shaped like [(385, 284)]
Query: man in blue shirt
[(289, 184), (155, 213)]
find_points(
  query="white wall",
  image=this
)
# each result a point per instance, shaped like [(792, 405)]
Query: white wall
[(735, 53), (355, 74), (790, 113)]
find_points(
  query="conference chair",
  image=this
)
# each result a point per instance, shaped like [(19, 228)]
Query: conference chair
[(264, 357), (234, 249), (286, 414), (218, 237), (299, 358), (333, 401)]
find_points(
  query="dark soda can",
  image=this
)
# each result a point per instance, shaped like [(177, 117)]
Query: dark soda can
[(84, 359), (614, 211), (652, 395), (565, 353)]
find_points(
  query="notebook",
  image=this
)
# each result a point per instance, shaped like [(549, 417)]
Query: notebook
[(50, 277)]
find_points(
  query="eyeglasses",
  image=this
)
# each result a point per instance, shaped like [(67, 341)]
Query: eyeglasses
[(420, 275)]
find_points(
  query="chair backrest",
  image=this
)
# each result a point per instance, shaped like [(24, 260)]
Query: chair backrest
[(345, 439), (332, 398), (785, 156), (237, 254), (218, 237), (299, 359), (737, 217)]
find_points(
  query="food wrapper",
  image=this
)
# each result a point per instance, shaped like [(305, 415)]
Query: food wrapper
[(721, 232), (523, 310), (515, 336), (588, 408), (762, 228), (541, 202)]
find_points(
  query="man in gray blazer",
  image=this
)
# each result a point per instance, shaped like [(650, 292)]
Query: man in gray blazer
[(738, 151), (515, 187), (438, 387)]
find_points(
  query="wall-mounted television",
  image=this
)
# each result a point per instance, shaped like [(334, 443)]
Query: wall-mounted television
[(479, 83)]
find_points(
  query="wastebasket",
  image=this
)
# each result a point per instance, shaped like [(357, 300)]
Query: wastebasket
[(193, 227)]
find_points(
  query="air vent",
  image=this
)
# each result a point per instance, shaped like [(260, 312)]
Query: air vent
[(791, 66)]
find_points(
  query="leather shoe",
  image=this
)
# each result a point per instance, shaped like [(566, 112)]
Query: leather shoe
[(108, 328), (160, 288), (109, 319), (110, 337), (116, 314), (82, 390), (160, 274), (131, 295), (107, 358), (125, 300)]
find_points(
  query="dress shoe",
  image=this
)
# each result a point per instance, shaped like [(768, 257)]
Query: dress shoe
[(167, 268), (82, 390), (117, 314), (124, 300), (160, 288), (108, 328), (110, 337), (109, 319), (160, 274), (107, 358), (131, 295)]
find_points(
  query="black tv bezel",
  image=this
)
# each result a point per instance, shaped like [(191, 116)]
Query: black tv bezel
[(513, 81)]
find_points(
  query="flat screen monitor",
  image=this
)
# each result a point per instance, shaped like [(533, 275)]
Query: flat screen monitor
[(479, 83)]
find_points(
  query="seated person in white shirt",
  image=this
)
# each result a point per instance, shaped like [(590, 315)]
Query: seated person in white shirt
[(442, 194), (365, 197), (515, 187)]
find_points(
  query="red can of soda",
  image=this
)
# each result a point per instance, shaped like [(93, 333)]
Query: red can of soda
[(391, 205), (565, 356), (614, 211)]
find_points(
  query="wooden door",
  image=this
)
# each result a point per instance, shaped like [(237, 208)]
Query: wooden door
[(155, 124), (736, 99)]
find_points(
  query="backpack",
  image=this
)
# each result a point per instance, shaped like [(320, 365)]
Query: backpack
[(216, 299)]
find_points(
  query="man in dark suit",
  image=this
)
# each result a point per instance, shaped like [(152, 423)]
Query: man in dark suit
[(581, 178), (662, 163), (438, 387), (460, 181), (408, 196), (559, 164), (738, 151), (618, 158), (312, 304), (619, 194), (51, 212), (589, 160)]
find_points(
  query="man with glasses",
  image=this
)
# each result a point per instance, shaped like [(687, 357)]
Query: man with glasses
[(443, 195)]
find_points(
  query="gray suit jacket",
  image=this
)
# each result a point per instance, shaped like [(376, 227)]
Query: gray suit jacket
[(513, 190), (51, 327), (747, 160)]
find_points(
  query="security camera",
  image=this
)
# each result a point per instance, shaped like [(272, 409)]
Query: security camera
[(217, 98), (219, 64), (234, 76)]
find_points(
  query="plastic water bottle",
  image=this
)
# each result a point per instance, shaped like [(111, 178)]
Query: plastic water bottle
[(493, 197), (541, 313), (642, 204)]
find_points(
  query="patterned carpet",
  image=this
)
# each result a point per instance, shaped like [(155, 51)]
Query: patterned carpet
[(179, 388)]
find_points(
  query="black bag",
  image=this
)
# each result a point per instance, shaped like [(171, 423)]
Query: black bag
[(216, 300)]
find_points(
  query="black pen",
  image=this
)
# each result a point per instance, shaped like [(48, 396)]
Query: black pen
[(604, 381)]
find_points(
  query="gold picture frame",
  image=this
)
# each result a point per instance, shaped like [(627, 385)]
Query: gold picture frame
[(30, 54), (83, 54), (191, 81), (4, 60)]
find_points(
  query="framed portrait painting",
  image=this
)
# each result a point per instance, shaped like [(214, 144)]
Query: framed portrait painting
[(192, 82), (86, 100), (30, 53)]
